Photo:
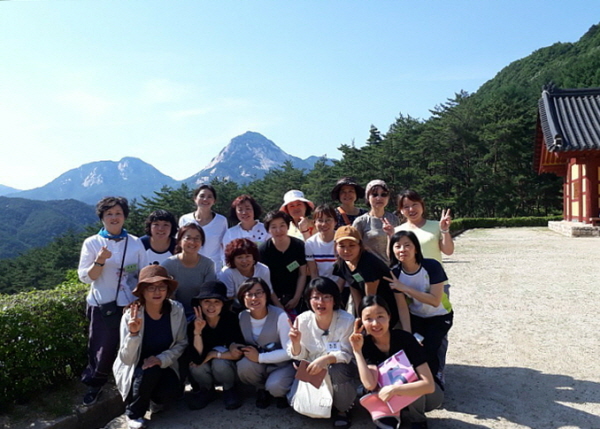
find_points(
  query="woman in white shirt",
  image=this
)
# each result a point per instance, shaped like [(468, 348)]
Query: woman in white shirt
[(321, 336), (213, 224), (110, 262), (246, 211)]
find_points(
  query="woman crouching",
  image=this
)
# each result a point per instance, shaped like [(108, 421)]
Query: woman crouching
[(153, 337), (321, 336)]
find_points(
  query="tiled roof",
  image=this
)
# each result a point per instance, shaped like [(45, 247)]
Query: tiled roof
[(570, 119)]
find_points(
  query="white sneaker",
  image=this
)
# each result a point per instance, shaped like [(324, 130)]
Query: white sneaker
[(136, 423)]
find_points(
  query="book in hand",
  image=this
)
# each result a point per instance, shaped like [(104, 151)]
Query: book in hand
[(395, 370), (303, 375)]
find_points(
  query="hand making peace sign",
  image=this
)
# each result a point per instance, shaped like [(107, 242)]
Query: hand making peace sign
[(356, 338), (199, 322), (135, 322), (445, 220)]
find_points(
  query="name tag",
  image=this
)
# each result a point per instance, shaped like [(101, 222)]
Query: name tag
[(294, 265), (333, 347), (358, 277), (131, 268)]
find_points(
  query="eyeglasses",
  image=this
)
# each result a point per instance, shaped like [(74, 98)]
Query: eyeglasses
[(155, 288), (257, 294), (322, 298), (382, 195)]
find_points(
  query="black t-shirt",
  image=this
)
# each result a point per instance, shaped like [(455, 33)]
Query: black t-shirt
[(369, 269), (284, 266), (226, 332), (399, 340)]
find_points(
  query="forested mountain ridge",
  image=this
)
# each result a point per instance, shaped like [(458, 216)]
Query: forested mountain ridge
[(28, 223)]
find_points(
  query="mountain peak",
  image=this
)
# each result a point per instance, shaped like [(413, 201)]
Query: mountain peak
[(247, 157)]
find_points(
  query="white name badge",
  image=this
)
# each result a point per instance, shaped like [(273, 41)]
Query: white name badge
[(333, 347)]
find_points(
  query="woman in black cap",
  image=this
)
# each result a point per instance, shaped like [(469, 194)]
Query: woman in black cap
[(213, 351), (153, 338), (347, 191)]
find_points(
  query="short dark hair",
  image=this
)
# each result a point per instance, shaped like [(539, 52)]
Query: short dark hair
[(108, 203), (249, 284), (184, 229), (164, 215), (411, 195), (201, 187), (412, 237), (271, 216), (240, 246), (369, 300), (324, 210), (242, 199), (327, 287)]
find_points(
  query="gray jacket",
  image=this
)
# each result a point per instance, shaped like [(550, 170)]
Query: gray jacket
[(131, 347)]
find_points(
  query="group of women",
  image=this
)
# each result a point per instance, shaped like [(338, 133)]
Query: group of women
[(216, 306)]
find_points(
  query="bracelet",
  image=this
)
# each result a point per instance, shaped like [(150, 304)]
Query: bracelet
[(304, 232), (219, 354), (98, 263), (197, 335), (134, 334), (444, 231)]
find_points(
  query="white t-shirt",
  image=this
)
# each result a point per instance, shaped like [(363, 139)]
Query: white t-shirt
[(214, 232), (323, 254), (233, 278), (258, 234)]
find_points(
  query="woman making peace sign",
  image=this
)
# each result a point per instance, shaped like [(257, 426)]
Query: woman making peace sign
[(373, 342), (153, 337)]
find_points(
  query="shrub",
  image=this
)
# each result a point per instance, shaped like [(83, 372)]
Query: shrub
[(43, 339), (463, 224)]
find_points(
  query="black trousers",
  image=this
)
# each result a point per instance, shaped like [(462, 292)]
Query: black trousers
[(433, 330), (160, 385)]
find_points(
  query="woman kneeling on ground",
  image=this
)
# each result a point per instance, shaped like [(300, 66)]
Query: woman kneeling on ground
[(265, 328), (213, 355), (381, 342), (153, 337), (321, 336)]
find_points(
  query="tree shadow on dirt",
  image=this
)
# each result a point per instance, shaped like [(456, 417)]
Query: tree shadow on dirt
[(522, 396)]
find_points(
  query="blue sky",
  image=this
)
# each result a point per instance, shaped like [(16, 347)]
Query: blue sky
[(171, 82)]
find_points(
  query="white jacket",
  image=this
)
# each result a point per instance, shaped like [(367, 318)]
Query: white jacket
[(131, 347)]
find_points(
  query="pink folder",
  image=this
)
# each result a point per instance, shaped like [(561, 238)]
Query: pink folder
[(396, 369)]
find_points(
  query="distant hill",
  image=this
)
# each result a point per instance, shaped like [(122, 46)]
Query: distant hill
[(27, 223), (246, 158), (5, 190), (129, 177)]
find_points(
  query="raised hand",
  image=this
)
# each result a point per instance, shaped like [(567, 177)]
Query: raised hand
[(294, 334), (103, 254), (388, 228), (356, 338), (199, 322), (445, 220), (304, 224), (135, 322), (395, 283)]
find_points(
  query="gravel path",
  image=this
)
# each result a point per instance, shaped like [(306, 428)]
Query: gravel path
[(522, 349)]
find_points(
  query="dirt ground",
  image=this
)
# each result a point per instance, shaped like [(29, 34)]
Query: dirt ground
[(523, 348)]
